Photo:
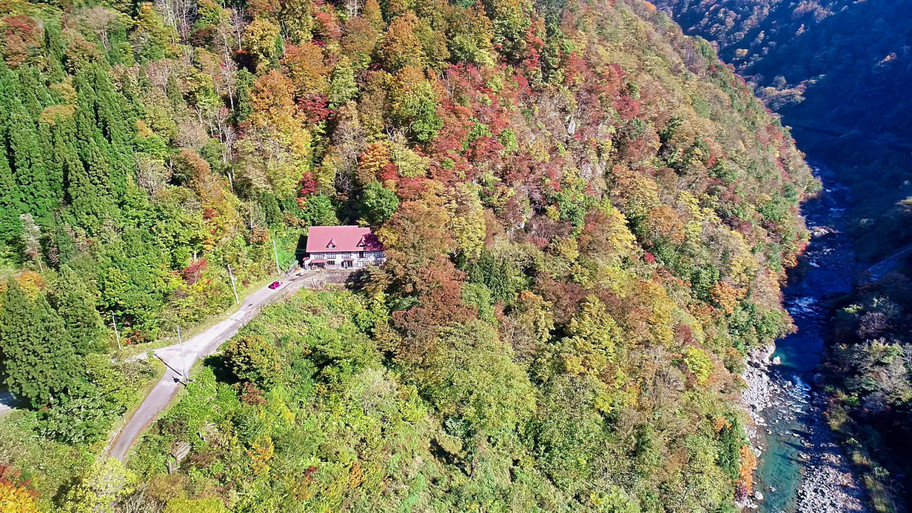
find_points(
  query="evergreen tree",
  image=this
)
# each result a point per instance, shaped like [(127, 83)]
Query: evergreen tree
[(75, 303), (35, 95), (38, 357), (55, 48), (28, 175), (53, 164), (89, 183), (245, 81), (10, 206), (30, 170), (111, 110), (61, 245)]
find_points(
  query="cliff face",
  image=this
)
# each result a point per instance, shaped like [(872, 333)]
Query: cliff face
[(586, 218)]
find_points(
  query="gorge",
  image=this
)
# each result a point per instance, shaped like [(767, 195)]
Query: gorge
[(586, 218), (802, 466)]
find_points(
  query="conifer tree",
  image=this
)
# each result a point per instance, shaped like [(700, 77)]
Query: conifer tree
[(90, 185), (33, 93), (51, 160), (39, 362), (75, 302), (25, 154), (10, 206), (55, 48)]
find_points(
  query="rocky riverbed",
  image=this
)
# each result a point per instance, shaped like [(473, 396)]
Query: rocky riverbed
[(802, 468), (788, 409)]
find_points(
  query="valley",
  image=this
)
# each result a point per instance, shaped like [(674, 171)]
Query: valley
[(803, 466), (562, 236)]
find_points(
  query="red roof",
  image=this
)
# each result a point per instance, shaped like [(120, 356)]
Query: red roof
[(327, 239)]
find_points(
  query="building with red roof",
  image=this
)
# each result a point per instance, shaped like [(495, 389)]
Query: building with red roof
[(342, 247)]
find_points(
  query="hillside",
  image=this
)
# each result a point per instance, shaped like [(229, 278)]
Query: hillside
[(805, 55), (836, 70), (870, 393), (586, 218)]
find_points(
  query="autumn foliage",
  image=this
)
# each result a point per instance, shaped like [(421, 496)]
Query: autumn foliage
[(15, 496), (585, 218)]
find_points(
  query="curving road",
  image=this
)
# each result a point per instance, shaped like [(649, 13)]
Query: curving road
[(179, 360)]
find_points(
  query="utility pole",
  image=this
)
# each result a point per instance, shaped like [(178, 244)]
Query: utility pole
[(233, 286), (116, 333), (275, 253), (180, 341)]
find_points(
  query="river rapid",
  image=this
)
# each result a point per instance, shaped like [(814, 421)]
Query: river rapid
[(802, 468)]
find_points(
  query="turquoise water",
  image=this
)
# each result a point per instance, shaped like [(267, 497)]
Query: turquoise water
[(824, 272)]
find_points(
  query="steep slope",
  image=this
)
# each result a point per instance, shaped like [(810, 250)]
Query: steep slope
[(818, 48), (836, 70), (586, 218)]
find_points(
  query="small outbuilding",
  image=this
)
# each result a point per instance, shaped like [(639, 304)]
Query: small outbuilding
[(342, 247)]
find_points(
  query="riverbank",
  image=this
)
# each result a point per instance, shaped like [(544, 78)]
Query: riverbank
[(828, 483), (7, 402)]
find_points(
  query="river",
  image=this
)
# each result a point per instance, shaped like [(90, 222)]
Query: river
[(801, 466)]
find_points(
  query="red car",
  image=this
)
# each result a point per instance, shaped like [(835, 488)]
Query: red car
[(275, 285)]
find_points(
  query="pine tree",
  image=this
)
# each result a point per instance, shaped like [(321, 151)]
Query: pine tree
[(75, 303), (10, 205), (38, 357)]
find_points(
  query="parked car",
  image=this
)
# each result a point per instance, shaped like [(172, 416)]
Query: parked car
[(274, 285)]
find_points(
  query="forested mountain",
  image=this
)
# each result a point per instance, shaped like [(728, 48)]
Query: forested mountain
[(586, 218), (837, 71)]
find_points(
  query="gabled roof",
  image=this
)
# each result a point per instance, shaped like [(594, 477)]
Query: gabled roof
[(324, 239)]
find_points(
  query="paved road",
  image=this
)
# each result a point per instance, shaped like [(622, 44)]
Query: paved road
[(178, 360), (885, 266)]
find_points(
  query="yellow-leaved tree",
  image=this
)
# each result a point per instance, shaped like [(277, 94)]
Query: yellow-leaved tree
[(16, 498), (101, 487)]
